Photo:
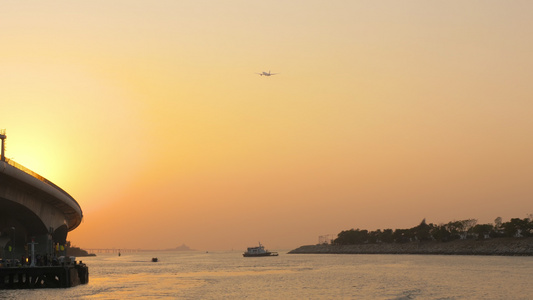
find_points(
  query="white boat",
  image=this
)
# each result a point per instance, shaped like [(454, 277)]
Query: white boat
[(258, 251)]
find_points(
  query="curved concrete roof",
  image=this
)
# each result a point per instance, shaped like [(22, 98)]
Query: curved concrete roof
[(51, 193)]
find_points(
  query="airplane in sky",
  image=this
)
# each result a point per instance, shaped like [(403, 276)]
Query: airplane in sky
[(267, 74)]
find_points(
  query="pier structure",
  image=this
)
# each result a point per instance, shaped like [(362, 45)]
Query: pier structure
[(112, 250), (35, 217), (65, 275)]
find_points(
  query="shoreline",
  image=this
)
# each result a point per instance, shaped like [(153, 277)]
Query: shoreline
[(496, 246)]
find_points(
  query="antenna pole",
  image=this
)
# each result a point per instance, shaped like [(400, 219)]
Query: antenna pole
[(3, 137)]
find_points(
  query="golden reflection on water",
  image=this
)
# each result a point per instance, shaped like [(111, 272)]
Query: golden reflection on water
[(129, 286), (229, 276), (235, 273), (168, 284)]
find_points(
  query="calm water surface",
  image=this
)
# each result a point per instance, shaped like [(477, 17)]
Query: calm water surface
[(228, 275)]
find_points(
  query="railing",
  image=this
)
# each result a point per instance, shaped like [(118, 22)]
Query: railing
[(41, 178)]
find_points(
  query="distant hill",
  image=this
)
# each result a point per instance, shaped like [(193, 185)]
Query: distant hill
[(181, 248)]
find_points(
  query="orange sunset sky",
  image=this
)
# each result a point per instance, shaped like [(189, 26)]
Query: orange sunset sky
[(151, 115)]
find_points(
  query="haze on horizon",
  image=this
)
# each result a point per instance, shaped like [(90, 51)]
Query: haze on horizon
[(151, 115)]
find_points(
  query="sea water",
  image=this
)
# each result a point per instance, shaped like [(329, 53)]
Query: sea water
[(228, 275)]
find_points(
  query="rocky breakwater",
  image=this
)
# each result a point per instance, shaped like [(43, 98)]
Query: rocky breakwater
[(497, 246)]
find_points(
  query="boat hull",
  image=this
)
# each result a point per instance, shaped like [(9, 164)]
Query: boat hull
[(259, 254)]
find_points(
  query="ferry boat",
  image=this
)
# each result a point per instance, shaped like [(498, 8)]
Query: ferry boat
[(258, 251)]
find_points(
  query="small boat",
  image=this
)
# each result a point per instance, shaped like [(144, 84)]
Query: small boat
[(154, 259), (258, 251)]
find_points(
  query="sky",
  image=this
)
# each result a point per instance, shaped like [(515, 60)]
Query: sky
[(151, 114)]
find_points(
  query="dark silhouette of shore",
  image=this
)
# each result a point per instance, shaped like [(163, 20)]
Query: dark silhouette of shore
[(498, 246)]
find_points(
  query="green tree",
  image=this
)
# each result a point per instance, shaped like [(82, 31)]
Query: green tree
[(387, 236), (498, 223), (441, 233), (482, 229), (422, 231), (515, 226), (351, 237), (402, 235), (374, 236), (455, 229)]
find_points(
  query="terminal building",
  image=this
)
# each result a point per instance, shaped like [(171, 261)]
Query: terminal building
[(34, 212)]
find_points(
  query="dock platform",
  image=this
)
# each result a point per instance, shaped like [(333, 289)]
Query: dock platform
[(62, 276)]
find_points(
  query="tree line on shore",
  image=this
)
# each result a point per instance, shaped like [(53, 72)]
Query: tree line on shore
[(463, 229)]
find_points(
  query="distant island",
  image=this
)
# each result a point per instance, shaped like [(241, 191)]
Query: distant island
[(183, 247), (464, 237)]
